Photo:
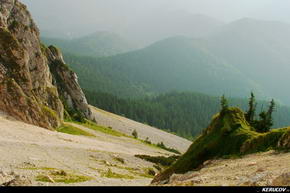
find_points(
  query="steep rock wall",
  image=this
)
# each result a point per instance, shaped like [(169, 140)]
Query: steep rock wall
[(27, 91)]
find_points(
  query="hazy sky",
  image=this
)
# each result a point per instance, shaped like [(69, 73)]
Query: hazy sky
[(94, 15)]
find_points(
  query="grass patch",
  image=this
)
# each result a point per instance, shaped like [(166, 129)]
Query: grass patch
[(73, 130), (35, 168), (60, 176), (110, 174), (95, 127), (158, 145), (147, 172)]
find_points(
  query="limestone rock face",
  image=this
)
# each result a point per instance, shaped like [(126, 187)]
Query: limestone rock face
[(27, 91), (67, 83)]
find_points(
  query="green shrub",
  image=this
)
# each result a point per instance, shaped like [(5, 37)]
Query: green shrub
[(162, 146), (160, 160), (135, 134)]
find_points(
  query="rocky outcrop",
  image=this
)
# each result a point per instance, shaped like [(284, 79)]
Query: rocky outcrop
[(27, 91), (67, 84), (284, 141)]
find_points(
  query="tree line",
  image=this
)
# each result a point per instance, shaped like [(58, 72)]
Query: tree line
[(182, 113)]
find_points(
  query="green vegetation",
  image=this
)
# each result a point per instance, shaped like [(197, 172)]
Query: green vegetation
[(266, 121), (149, 172), (69, 129), (94, 126), (36, 168), (176, 63), (61, 176), (228, 134), (250, 114), (159, 160), (181, 113), (162, 146), (266, 117), (224, 104), (119, 159), (49, 112), (147, 141), (135, 134), (158, 145), (110, 174)]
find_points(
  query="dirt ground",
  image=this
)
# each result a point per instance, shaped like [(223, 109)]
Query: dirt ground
[(261, 169), (127, 126), (30, 151)]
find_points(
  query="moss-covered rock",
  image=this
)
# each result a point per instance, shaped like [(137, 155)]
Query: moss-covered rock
[(228, 134)]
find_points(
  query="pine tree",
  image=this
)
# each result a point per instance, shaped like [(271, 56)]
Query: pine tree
[(224, 104), (270, 115), (266, 120), (250, 115), (261, 125)]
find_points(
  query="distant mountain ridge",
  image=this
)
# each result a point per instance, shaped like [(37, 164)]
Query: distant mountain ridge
[(260, 50), (177, 63), (235, 58), (168, 24), (101, 43)]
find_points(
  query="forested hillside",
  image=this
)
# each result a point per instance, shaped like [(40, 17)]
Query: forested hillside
[(174, 64), (185, 114), (235, 59)]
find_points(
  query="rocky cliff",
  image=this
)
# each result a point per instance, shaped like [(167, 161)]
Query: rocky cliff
[(29, 91)]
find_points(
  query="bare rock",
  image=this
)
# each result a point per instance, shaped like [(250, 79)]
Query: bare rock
[(282, 180), (13, 179), (284, 141), (254, 180)]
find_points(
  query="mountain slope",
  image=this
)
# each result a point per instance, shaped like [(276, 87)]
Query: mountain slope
[(127, 126), (177, 63), (48, 158), (99, 44), (244, 55)]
